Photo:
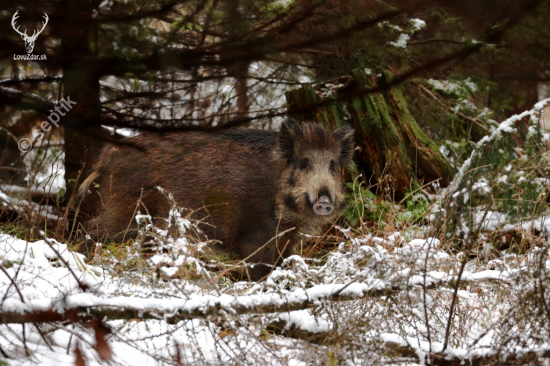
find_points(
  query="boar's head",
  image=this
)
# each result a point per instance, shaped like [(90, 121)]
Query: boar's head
[(310, 188)]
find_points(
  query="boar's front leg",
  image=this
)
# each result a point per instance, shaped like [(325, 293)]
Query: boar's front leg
[(263, 249)]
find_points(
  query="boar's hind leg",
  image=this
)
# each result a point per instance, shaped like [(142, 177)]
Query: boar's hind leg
[(115, 223)]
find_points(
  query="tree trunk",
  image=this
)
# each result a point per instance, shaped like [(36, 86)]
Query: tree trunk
[(238, 69), (82, 128), (391, 142), (240, 72), (428, 162)]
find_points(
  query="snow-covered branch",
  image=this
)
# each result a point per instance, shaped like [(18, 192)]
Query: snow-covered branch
[(87, 305)]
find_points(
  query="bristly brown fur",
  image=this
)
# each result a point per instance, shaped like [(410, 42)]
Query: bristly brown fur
[(249, 184)]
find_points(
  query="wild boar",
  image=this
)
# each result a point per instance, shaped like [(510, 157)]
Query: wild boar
[(248, 185)]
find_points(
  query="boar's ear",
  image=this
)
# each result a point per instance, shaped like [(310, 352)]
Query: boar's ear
[(290, 133), (346, 137)]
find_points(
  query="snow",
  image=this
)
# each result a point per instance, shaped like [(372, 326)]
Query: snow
[(504, 127), (8, 199), (126, 132), (452, 87), (304, 320), (401, 41), (418, 24), (45, 282)]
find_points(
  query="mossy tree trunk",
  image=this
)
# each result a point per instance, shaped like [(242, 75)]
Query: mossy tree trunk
[(428, 161), (391, 142)]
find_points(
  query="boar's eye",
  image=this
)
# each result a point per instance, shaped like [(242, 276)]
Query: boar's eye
[(304, 164), (332, 166)]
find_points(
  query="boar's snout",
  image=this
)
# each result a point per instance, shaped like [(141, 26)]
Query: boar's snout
[(323, 206)]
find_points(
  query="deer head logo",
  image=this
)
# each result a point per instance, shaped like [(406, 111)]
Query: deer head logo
[(29, 41)]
